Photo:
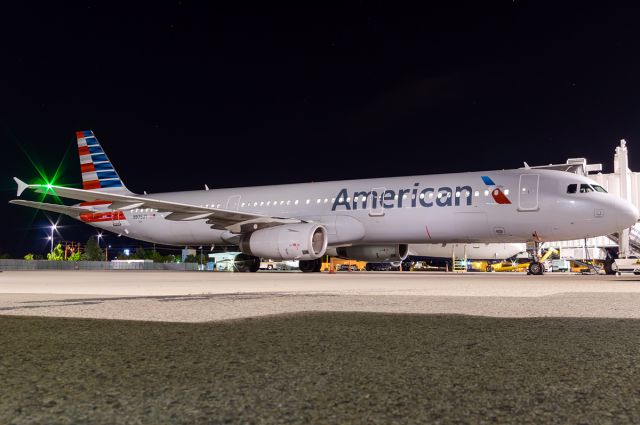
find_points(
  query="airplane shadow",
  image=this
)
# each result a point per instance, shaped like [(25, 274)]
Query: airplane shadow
[(163, 298)]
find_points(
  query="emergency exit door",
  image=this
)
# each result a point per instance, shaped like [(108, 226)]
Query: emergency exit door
[(233, 203)]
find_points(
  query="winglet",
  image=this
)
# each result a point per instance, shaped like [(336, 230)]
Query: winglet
[(22, 186)]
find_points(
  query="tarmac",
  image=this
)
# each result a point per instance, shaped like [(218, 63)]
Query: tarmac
[(218, 296), (293, 348)]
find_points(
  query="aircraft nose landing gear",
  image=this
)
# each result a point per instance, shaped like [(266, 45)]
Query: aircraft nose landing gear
[(535, 266)]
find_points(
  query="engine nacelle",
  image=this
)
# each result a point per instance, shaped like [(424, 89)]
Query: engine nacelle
[(374, 253), (301, 241)]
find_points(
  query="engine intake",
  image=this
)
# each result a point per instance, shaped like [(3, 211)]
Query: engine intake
[(374, 253), (302, 241)]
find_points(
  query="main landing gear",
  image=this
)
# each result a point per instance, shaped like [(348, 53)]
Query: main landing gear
[(310, 266), (247, 263), (610, 266)]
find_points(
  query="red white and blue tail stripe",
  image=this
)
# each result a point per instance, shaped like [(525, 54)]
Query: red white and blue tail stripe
[(97, 170)]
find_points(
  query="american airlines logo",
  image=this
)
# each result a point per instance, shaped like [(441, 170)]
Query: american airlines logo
[(416, 196), (497, 192)]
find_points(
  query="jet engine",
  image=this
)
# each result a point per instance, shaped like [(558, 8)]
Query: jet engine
[(374, 253), (301, 241)]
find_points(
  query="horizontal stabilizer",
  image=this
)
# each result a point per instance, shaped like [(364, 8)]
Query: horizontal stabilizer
[(22, 186), (57, 208)]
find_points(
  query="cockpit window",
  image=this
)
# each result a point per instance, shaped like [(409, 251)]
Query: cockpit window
[(599, 188), (584, 188), (572, 188)]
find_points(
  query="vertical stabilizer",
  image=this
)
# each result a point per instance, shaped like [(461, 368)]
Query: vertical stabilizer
[(97, 170)]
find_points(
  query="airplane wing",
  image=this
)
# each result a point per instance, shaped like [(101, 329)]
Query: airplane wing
[(57, 208), (234, 221)]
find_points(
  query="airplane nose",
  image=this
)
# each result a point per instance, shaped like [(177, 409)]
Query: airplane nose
[(627, 214)]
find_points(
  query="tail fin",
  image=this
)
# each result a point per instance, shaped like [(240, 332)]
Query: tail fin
[(97, 171)]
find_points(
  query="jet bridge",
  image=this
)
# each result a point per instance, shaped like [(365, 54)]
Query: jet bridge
[(573, 165), (622, 182)]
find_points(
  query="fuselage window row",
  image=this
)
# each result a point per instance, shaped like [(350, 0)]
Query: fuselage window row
[(430, 195)]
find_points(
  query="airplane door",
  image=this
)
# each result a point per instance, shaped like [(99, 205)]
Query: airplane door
[(528, 192), (233, 203), (375, 201)]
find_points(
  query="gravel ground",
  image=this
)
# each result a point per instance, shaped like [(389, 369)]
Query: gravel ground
[(330, 368)]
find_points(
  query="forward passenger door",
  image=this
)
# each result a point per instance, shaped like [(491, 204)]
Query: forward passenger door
[(528, 192)]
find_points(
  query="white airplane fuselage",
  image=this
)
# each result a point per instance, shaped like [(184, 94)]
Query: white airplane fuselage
[(472, 251), (519, 205)]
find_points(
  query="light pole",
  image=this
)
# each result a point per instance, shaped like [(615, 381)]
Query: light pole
[(53, 228), (98, 237)]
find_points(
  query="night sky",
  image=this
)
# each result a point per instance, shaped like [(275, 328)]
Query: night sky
[(180, 94)]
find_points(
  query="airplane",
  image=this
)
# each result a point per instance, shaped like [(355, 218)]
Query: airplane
[(368, 219)]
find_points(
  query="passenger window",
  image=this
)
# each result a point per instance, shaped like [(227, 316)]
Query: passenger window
[(584, 188), (599, 188), (572, 188)]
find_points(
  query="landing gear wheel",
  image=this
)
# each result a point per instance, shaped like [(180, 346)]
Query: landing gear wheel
[(310, 266), (610, 267), (536, 268), (247, 263), (254, 266)]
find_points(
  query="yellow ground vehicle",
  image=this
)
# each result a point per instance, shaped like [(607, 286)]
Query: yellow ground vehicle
[(521, 267), (510, 267), (326, 265)]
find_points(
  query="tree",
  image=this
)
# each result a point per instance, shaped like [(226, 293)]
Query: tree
[(171, 259), (92, 251), (140, 254), (191, 259), (74, 257), (57, 254), (156, 257), (29, 257)]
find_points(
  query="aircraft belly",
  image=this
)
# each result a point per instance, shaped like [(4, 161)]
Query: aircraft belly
[(409, 226), (159, 230), (474, 251), (431, 226)]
